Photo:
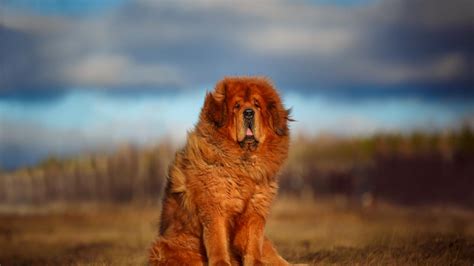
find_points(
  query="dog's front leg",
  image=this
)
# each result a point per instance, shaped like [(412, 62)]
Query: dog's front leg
[(215, 239), (249, 228), (248, 239)]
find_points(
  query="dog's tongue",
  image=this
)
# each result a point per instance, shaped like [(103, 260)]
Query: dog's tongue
[(249, 132)]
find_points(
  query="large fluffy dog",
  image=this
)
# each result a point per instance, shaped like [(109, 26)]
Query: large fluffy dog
[(222, 183)]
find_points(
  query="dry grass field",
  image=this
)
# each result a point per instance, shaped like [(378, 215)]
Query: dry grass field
[(305, 231)]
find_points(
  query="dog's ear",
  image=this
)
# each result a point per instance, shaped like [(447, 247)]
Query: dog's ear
[(215, 108), (279, 118)]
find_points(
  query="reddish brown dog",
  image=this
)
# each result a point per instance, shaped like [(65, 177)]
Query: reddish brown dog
[(222, 183)]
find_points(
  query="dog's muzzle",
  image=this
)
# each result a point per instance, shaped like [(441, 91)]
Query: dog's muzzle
[(249, 123)]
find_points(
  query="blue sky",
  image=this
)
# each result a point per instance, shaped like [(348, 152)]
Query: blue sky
[(88, 7), (64, 7), (82, 76), (93, 121), (144, 118)]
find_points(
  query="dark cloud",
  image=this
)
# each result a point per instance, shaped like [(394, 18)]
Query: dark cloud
[(19, 58), (435, 34), (421, 45)]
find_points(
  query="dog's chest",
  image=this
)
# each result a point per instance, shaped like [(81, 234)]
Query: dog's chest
[(239, 191)]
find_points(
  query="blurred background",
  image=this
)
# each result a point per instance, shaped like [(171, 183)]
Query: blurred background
[(96, 96)]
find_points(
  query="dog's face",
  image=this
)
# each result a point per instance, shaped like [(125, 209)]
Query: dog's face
[(247, 110)]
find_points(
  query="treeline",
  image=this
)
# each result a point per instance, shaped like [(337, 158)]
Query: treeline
[(129, 174), (414, 168)]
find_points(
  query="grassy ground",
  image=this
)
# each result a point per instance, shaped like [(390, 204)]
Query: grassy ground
[(314, 232)]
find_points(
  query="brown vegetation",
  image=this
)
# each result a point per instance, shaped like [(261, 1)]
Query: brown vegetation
[(129, 174), (417, 168), (311, 231)]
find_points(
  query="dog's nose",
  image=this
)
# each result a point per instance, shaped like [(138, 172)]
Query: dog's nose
[(248, 113)]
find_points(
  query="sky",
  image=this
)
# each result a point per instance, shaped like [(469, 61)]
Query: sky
[(81, 75)]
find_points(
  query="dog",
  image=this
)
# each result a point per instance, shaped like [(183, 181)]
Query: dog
[(221, 185)]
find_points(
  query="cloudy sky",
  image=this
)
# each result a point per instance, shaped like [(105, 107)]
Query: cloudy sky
[(83, 75)]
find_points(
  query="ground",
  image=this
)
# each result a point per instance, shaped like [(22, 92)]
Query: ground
[(312, 231)]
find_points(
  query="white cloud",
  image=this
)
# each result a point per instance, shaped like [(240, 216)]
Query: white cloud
[(118, 70), (281, 40), (32, 23)]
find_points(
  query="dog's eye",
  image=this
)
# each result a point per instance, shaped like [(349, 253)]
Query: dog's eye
[(256, 103), (237, 105)]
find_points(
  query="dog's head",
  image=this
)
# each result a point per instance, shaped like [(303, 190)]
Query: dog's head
[(247, 110)]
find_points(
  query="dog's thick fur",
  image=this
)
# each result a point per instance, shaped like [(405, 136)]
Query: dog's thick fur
[(222, 183)]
